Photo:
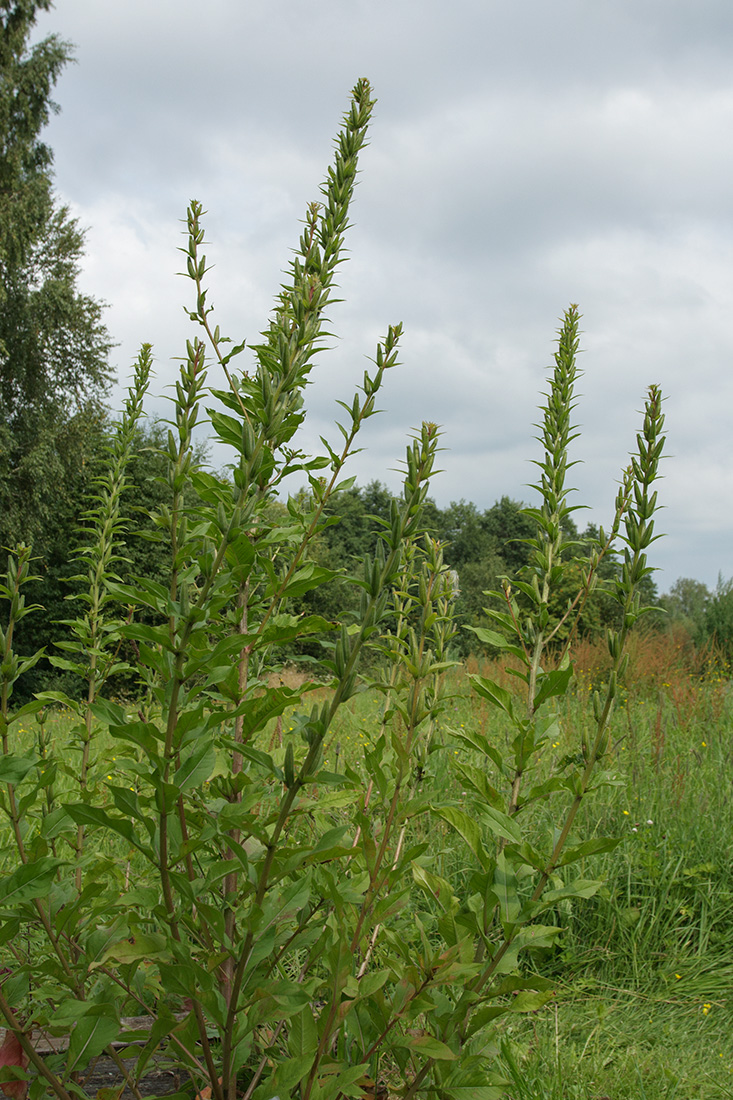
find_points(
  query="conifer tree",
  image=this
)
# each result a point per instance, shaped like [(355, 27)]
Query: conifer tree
[(54, 348)]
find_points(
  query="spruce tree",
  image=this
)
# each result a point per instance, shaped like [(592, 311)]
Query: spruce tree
[(54, 348)]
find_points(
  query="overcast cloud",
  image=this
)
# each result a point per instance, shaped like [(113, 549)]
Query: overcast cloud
[(523, 156)]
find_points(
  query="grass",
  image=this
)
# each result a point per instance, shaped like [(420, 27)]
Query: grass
[(607, 1041), (644, 970)]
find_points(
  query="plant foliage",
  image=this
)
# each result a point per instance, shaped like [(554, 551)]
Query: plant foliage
[(286, 928)]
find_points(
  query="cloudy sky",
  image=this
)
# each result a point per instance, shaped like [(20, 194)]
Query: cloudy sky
[(524, 155)]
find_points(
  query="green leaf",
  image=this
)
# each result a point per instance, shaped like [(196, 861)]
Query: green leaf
[(500, 824), (77, 667), (481, 743), (162, 1027), (465, 825), (505, 887), (303, 1034), (60, 697), (335, 1080), (142, 946), (497, 695), (109, 713), (144, 734), (553, 683), (474, 1092), (434, 886), (371, 982), (196, 769), (306, 578), (55, 823), (589, 848), (91, 1034), (512, 983), (427, 1046), (30, 880), (530, 1001), (541, 790), (489, 637), (537, 935), (93, 815), (14, 769), (143, 591), (581, 888), (226, 427), (289, 1072), (28, 708), (126, 801), (477, 779)]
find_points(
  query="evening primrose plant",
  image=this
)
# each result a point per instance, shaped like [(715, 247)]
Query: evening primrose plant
[(280, 927), (521, 876)]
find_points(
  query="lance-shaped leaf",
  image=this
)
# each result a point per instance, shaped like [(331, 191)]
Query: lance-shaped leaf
[(435, 887), (498, 641), (505, 887), (427, 1046), (30, 880), (581, 888), (196, 768), (500, 824), (141, 947), (91, 1034), (530, 1001), (588, 848), (94, 815), (468, 828), (13, 769), (473, 1092), (497, 695), (553, 683)]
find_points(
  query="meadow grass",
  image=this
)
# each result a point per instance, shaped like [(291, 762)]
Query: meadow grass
[(644, 970)]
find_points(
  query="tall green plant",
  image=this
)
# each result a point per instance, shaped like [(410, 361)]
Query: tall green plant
[(229, 889), (522, 875), (282, 925)]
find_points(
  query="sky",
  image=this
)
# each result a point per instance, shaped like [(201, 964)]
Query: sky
[(523, 156)]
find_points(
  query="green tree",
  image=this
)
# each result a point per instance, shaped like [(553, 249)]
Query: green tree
[(462, 529), (686, 605), (54, 348), (482, 547), (507, 523)]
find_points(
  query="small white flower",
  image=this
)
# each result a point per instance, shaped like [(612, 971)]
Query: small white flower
[(649, 821), (634, 829)]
